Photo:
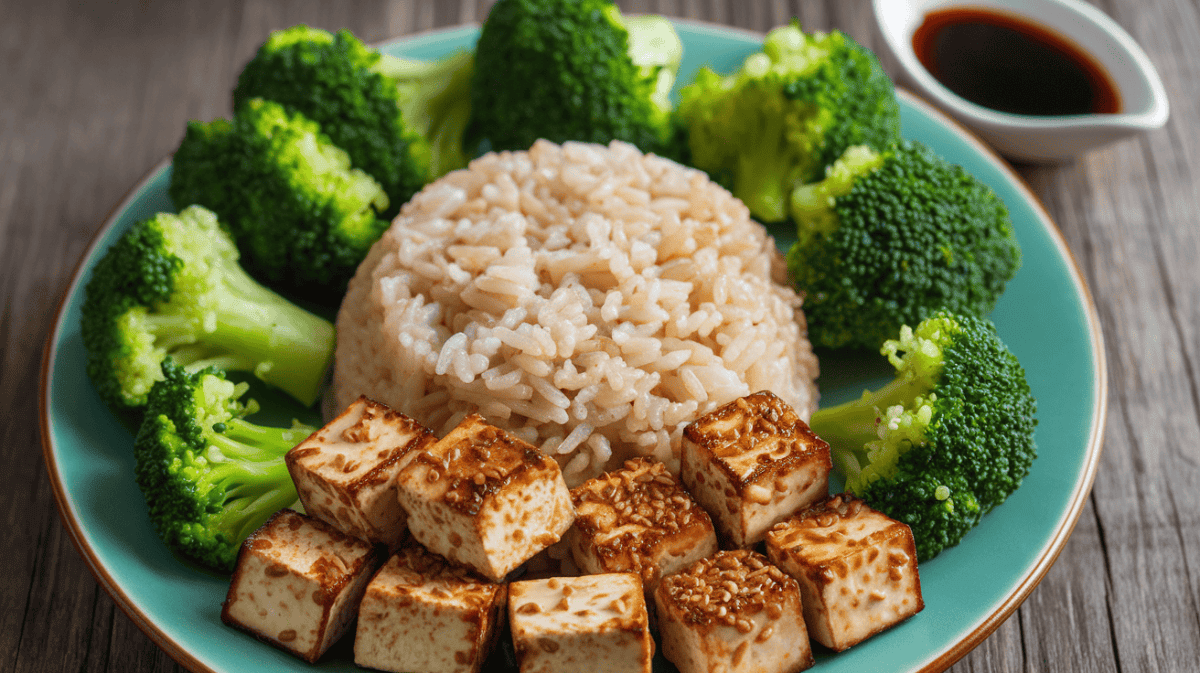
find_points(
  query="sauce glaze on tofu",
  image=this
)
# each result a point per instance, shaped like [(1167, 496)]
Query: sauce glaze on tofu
[(595, 623), (733, 612), (345, 472), (298, 582), (476, 469), (422, 613), (638, 519), (752, 463), (483, 497), (857, 569)]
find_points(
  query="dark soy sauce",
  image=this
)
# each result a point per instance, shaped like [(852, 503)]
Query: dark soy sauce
[(1008, 64)]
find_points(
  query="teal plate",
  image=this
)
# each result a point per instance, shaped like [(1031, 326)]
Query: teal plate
[(1046, 317)]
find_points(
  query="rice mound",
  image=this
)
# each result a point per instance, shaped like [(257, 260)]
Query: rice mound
[(590, 299)]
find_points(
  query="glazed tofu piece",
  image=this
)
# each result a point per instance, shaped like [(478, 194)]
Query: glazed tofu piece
[(733, 612), (298, 582), (857, 569), (422, 613), (751, 464), (346, 472), (595, 623), (638, 519), (484, 498)]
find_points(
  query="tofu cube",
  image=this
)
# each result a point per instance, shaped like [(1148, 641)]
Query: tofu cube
[(751, 464), (595, 623), (638, 519), (345, 473), (857, 569), (484, 498), (422, 613), (733, 612), (297, 583)]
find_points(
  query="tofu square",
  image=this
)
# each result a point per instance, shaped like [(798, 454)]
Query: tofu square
[(345, 473), (595, 623), (733, 612), (422, 613), (751, 464), (857, 569), (484, 498), (638, 519), (297, 583)]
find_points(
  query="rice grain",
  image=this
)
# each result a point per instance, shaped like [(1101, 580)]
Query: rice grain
[(591, 299)]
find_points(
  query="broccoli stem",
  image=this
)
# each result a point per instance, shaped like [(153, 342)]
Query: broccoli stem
[(247, 466), (172, 331), (434, 101), (761, 179), (655, 48), (771, 158), (404, 69), (193, 359), (853, 428), (653, 42), (260, 331), (446, 139)]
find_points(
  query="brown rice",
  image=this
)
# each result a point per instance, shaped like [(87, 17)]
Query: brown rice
[(593, 300)]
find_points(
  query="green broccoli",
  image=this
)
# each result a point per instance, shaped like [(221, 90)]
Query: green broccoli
[(171, 286), (400, 120), (302, 218), (786, 114), (210, 477), (950, 438), (888, 238), (573, 71)]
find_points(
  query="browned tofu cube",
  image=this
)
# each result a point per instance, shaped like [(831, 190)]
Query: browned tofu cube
[(733, 612), (298, 582), (638, 519), (345, 473), (594, 623), (857, 569), (484, 498), (422, 613), (751, 464)]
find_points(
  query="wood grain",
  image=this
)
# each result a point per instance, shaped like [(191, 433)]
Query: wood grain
[(94, 94)]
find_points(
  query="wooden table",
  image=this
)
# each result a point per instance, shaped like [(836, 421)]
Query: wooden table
[(95, 94)]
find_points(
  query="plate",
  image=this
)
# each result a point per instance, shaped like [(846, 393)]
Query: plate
[(1046, 317)]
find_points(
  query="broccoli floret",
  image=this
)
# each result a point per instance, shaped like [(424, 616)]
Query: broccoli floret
[(302, 218), (888, 238), (786, 114), (172, 286), (949, 439), (400, 120), (573, 71), (210, 477)]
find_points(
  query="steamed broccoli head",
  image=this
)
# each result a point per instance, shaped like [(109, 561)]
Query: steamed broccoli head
[(301, 216), (573, 71), (949, 439), (210, 477), (888, 238), (171, 286), (400, 120), (786, 114)]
